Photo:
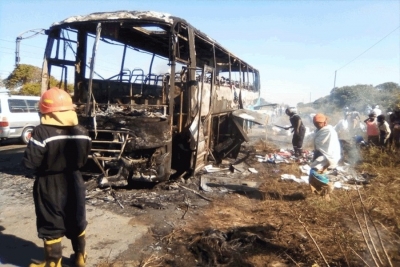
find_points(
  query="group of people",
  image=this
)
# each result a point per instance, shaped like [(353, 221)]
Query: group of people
[(378, 130), (327, 148), (384, 130)]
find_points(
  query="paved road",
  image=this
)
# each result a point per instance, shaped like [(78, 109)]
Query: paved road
[(108, 234), (11, 144)]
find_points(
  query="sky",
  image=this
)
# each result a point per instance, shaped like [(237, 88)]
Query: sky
[(297, 46)]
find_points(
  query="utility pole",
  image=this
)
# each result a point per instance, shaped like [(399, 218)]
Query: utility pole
[(20, 37), (334, 81)]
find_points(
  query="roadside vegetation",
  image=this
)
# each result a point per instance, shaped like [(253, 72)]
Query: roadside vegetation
[(26, 80), (360, 96)]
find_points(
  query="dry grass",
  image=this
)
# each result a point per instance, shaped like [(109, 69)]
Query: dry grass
[(289, 226), (353, 229)]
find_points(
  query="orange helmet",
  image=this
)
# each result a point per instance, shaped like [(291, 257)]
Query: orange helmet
[(55, 99)]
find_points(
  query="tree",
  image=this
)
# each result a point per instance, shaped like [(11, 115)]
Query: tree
[(22, 75), (26, 80), (30, 89), (389, 87), (356, 96)]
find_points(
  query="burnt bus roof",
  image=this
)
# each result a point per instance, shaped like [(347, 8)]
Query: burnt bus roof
[(129, 25)]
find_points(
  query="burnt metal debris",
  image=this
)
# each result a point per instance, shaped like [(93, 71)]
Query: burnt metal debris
[(156, 94)]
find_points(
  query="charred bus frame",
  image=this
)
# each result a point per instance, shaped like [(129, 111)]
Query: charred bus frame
[(175, 113)]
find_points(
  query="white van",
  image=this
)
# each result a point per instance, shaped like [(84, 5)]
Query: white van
[(18, 116)]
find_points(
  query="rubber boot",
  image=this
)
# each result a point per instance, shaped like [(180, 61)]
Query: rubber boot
[(78, 245), (52, 254), (300, 152), (296, 152)]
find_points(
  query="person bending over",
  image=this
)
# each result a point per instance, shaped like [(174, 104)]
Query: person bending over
[(299, 130), (326, 155)]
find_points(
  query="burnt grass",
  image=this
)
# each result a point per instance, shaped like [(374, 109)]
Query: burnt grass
[(279, 224)]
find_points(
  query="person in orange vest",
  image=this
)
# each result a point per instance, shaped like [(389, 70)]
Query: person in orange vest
[(372, 129), (57, 149)]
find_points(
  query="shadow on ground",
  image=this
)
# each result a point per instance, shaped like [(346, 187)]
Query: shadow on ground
[(19, 252)]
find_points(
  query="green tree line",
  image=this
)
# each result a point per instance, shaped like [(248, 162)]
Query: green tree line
[(386, 95)]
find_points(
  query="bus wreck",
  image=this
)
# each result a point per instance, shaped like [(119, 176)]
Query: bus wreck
[(156, 94)]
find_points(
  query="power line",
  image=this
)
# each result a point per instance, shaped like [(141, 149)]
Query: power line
[(7, 40), (24, 44), (7, 48), (368, 48)]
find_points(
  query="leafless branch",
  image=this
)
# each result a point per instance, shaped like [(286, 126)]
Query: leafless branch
[(197, 193), (362, 232), (366, 264), (187, 202), (151, 260), (370, 237), (315, 243), (376, 229), (115, 197), (345, 254), (292, 259)]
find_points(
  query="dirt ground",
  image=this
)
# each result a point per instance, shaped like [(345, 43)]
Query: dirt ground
[(263, 221)]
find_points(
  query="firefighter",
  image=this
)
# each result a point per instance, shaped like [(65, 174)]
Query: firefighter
[(299, 130), (56, 151)]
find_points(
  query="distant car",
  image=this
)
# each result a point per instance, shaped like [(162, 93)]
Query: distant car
[(18, 116)]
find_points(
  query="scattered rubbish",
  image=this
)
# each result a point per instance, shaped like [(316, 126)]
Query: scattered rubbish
[(342, 177), (305, 169), (195, 192), (285, 156), (302, 179), (272, 158), (252, 170), (213, 246), (234, 168), (210, 168), (204, 186), (225, 184)]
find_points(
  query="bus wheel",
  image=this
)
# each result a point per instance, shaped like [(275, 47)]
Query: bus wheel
[(26, 134)]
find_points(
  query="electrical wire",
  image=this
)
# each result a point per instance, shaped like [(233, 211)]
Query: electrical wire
[(369, 48), (4, 40)]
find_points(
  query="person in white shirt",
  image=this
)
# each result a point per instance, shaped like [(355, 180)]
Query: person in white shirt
[(384, 130), (342, 128), (327, 154), (377, 110)]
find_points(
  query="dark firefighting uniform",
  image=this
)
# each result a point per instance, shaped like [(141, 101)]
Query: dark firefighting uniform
[(298, 138), (56, 153)]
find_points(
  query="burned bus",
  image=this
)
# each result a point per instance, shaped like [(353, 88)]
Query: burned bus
[(157, 95)]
